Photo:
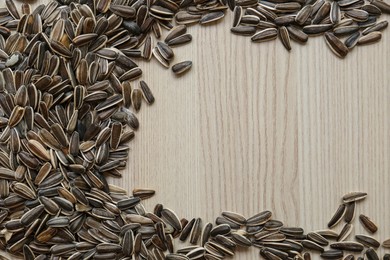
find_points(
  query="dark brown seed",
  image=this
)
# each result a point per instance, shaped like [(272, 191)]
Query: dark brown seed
[(46, 235), (267, 253), (322, 13), (176, 32), (350, 211), (386, 243), (12, 9), (136, 98), (61, 249), (147, 51), (146, 92), (368, 241), (165, 51), (235, 217), (128, 203), (128, 243), (196, 231), (7, 174), (156, 53), (338, 48), (371, 254), (222, 229), (312, 245), (335, 13), (58, 222), (171, 218), (265, 35), (285, 37), (352, 40), (348, 246), (181, 67), (304, 14), (187, 230), (370, 38), (345, 30), (50, 206), (30, 216), (220, 248), (382, 5), (237, 15), (349, 257), (230, 3), (317, 28), (332, 254), (354, 196), (345, 232), (259, 219), (205, 235), (211, 17), (292, 230), (368, 224), (225, 242), (377, 27), (317, 238), (123, 11), (357, 15), (60, 49), (196, 253), (241, 240), (244, 30), (179, 40)]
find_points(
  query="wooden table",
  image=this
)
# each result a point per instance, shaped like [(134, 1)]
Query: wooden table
[(254, 127)]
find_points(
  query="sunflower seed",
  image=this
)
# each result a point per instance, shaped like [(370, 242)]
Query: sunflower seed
[(376, 27), (317, 238), (181, 67), (368, 224), (211, 17), (367, 241), (345, 232), (348, 246), (222, 229), (370, 38), (354, 196), (352, 40), (179, 40), (371, 254), (383, 6), (196, 231), (304, 14), (265, 35), (205, 234), (350, 212), (316, 29), (332, 254), (285, 37), (338, 48), (312, 245)]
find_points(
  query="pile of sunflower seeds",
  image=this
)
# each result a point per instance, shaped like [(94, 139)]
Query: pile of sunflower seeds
[(344, 23), (69, 98)]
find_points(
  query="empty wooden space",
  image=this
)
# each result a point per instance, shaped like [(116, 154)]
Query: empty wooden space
[(252, 127)]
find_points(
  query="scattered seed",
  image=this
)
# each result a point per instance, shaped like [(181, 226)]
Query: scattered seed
[(354, 196), (345, 232), (181, 67), (337, 216), (368, 224), (368, 241)]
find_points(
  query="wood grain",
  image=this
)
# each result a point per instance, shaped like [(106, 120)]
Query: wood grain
[(254, 127)]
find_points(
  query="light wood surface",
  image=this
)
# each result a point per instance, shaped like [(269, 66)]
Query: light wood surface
[(254, 127)]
